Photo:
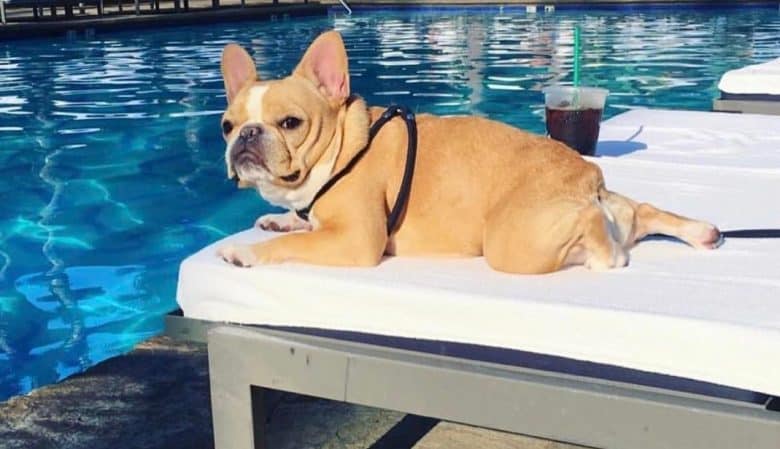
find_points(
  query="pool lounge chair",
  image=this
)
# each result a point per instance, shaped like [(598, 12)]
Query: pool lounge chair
[(679, 350), (752, 89)]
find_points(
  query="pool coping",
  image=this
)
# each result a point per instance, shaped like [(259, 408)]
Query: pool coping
[(54, 28), (542, 5), (521, 3), (58, 27)]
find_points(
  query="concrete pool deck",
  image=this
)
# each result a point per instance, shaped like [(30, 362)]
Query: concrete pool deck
[(158, 397)]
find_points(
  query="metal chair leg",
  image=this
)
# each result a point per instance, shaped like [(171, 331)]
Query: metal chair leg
[(237, 409)]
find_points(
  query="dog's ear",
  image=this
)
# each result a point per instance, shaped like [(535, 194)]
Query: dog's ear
[(238, 68), (325, 65)]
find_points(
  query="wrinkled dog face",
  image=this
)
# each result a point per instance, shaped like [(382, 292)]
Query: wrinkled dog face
[(268, 132), (278, 131)]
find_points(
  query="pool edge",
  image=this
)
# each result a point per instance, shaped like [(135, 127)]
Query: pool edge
[(25, 30)]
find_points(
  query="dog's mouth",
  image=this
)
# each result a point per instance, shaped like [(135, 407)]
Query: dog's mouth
[(245, 162), (248, 163), (292, 177), (246, 156)]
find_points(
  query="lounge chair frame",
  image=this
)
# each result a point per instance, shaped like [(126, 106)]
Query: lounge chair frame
[(245, 360), (747, 103), (747, 107)]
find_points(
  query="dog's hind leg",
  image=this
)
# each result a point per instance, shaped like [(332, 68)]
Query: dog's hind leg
[(552, 233), (635, 221), (530, 238), (599, 244)]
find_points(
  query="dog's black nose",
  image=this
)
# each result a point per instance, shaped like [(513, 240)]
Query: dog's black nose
[(250, 132)]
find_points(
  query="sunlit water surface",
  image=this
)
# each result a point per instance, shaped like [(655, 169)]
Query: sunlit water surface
[(111, 164)]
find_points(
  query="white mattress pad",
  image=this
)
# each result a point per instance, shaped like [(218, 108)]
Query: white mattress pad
[(761, 78), (706, 315)]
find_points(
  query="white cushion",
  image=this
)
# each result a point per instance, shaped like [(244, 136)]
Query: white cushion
[(706, 315), (753, 79), (717, 140)]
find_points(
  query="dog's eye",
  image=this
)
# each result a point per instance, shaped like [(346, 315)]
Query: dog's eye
[(290, 123), (227, 127)]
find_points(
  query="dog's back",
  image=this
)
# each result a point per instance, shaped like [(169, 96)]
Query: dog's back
[(468, 166)]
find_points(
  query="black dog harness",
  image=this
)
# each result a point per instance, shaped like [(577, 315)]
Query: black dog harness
[(406, 182)]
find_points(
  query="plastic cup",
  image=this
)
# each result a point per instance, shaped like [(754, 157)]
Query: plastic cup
[(573, 115)]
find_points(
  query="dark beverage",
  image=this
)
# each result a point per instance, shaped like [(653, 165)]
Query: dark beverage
[(577, 128)]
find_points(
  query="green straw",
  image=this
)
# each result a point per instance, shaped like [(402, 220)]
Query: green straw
[(576, 99), (576, 55)]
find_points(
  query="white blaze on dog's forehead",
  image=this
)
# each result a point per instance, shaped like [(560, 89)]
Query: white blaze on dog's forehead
[(254, 104), (254, 111)]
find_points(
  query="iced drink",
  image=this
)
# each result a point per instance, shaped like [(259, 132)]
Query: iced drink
[(573, 115)]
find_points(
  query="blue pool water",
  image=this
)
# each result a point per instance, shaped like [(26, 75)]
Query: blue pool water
[(111, 164)]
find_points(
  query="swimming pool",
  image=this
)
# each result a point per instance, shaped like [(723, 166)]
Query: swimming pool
[(111, 164)]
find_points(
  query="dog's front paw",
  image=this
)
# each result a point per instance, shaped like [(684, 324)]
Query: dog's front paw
[(286, 222), (238, 255)]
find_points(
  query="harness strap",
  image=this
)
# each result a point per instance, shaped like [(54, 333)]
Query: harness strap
[(752, 234), (406, 182)]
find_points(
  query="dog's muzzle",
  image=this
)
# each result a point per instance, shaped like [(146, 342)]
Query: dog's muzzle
[(247, 149)]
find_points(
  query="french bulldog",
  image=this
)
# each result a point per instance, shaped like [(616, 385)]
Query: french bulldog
[(527, 203)]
